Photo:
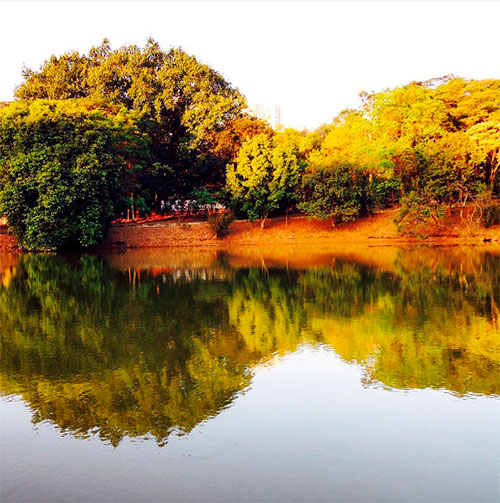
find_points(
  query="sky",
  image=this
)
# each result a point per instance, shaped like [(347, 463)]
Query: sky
[(311, 58)]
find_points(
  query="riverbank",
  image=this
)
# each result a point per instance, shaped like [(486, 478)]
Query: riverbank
[(299, 230)]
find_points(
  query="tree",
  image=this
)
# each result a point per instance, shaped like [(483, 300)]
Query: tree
[(350, 140), (469, 102), (222, 146), (265, 175), (249, 178), (418, 211), (486, 138), (288, 159), (63, 167), (405, 120), (450, 173), (181, 104), (335, 193)]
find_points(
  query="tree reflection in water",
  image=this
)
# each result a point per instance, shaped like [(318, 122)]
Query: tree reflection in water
[(116, 346)]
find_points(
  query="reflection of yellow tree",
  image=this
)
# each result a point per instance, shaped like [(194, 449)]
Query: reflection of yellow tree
[(93, 349), (428, 326), (266, 313)]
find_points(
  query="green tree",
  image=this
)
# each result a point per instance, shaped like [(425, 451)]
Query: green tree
[(249, 178), (335, 193), (181, 104), (63, 167), (264, 176), (288, 164)]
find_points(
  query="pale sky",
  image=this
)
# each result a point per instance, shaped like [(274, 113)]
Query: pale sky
[(311, 58)]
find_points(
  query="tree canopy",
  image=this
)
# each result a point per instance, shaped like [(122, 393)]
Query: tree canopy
[(63, 168), (179, 102)]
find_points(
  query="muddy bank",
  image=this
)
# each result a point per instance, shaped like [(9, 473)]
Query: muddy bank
[(377, 230), (7, 242), (299, 230)]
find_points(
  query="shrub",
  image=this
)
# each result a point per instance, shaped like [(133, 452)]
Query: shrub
[(491, 215), (220, 222), (416, 215)]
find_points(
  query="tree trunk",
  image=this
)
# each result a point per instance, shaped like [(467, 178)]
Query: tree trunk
[(332, 220), (263, 222), (494, 168)]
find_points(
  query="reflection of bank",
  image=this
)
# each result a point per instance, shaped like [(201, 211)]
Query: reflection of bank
[(8, 264)]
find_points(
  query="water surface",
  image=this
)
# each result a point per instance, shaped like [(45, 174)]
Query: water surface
[(363, 374)]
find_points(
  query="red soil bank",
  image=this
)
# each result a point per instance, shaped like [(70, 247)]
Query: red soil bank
[(376, 229)]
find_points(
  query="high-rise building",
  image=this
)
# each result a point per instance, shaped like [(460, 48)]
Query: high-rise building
[(269, 113)]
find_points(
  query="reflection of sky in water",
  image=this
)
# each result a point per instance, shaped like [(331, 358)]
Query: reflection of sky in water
[(364, 376)]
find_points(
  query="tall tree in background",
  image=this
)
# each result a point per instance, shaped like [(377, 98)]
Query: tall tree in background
[(181, 103)]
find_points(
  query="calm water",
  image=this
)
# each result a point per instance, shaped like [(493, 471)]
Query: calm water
[(281, 375)]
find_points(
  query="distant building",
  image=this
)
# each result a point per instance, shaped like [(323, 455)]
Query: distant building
[(269, 113)]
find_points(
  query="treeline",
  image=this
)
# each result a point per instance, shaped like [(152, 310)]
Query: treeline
[(126, 132)]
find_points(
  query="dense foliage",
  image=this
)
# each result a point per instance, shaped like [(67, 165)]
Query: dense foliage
[(63, 169), (428, 145), (265, 175), (334, 193)]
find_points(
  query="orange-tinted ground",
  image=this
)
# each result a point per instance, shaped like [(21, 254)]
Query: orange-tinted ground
[(376, 229), (301, 230), (7, 242)]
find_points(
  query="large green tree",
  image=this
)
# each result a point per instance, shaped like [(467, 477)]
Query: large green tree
[(181, 104), (64, 169)]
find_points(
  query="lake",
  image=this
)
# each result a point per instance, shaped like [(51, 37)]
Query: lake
[(289, 374)]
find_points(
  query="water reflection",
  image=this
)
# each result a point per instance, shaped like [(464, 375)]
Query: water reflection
[(147, 343)]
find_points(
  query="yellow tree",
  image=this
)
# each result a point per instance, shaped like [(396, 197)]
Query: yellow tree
[(486, 140)]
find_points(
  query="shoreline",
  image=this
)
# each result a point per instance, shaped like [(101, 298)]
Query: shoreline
[(375, 230)]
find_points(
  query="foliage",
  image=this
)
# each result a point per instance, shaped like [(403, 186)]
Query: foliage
[(439, 139), (63, 169), (181, 103), (220, 222), (416, 214), (334, 193), (248, 180), (486, 139), (265, 175)]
